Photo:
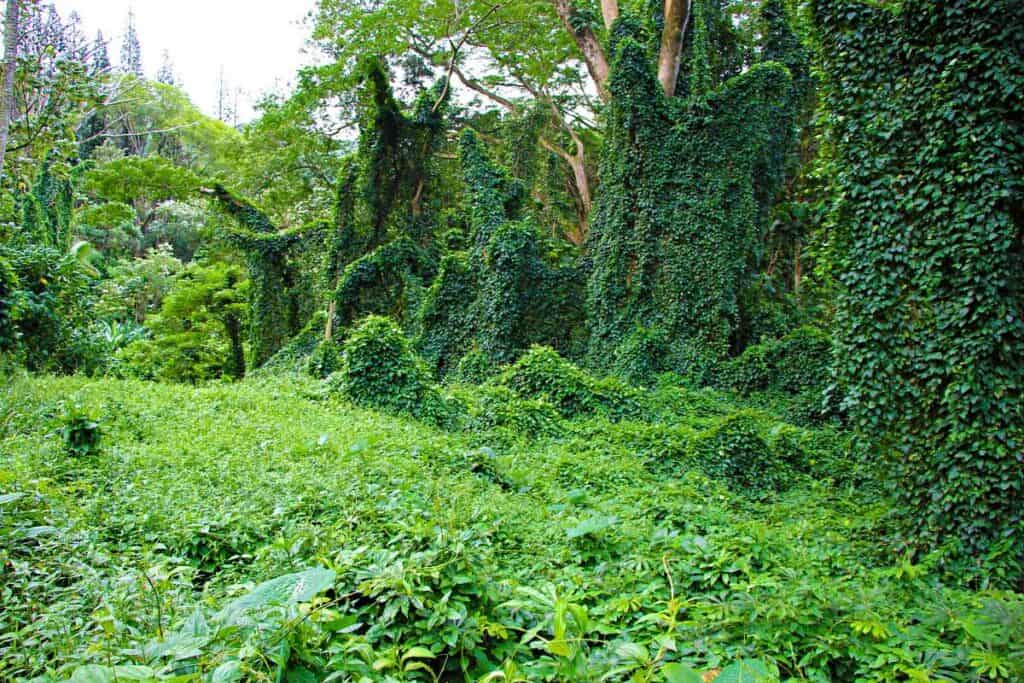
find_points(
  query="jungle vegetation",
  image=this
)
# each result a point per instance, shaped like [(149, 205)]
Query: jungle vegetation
[(536, 340)]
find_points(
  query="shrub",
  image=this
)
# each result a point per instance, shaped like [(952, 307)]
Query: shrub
[(542, 373), (379, 369), (795, 363), (474, 367), (733, 450)]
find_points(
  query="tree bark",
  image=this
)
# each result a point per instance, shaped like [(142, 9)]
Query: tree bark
[(677, 16), (610, 12), (589, 45), (12, 26)]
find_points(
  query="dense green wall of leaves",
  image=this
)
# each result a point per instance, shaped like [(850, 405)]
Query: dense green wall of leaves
[(677, 212), (506, 292), (926, 119)]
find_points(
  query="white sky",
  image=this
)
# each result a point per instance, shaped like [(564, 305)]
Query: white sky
[(259, 43)]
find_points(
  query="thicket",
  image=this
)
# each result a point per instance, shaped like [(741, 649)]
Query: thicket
[(929, 143)]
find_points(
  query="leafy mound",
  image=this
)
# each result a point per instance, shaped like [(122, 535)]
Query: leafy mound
[(542, 373), (795, 363), (379, 370), (734, 450)]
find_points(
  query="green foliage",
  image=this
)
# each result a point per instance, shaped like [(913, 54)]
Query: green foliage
[(197, 334), (46, 209), (9, 285), (386, 281), (542, 373), (294, 356), (930, 339), (474, 367), (490, 408), (136, 289), (132, 178), (798, 362), (272, 310), (641, 356), (324, 360), (79, 431), (560, 557), (380, 370), (679, 209), (733, 450), (52, 304), (506, 293)]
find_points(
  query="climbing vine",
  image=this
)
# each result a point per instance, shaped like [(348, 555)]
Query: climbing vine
[(271, 321), (929, 327), (505, 293), (677, 213)]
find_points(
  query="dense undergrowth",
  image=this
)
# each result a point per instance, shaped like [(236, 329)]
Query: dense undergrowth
[(555, 527)]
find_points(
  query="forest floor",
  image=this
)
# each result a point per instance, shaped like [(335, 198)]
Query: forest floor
[(584, 549)]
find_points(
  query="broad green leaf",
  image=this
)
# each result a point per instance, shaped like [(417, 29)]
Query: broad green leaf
[(417, 653), (745, 671), (289, 589), (680, 673)]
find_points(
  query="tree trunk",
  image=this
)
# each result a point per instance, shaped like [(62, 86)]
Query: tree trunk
[(610, 12), (677, 16), (589, 45), (11, 39)]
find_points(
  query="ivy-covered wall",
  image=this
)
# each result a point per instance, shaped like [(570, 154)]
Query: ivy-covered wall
[(926, 120)]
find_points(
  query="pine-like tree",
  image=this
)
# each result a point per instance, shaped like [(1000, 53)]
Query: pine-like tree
[(166, 73), (131, 49), (100, 62)]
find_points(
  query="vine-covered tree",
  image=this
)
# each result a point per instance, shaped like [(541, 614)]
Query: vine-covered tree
[(930, 240)]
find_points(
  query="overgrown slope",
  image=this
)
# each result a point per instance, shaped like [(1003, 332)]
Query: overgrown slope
[(591, 548)]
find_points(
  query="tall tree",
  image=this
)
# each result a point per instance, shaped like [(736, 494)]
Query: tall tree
[(100, 57), (131, 49), (11, 39), (166, 73)]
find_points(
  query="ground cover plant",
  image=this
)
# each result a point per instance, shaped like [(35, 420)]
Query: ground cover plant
[(271, 530)]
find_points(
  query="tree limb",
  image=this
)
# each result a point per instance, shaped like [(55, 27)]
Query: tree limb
[(589, 45), (677, 17)]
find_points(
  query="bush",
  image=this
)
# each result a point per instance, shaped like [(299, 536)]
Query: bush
[(542, 373), (795, 363), (734, 450), (474, 367), (491, 407), (379, 369)]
